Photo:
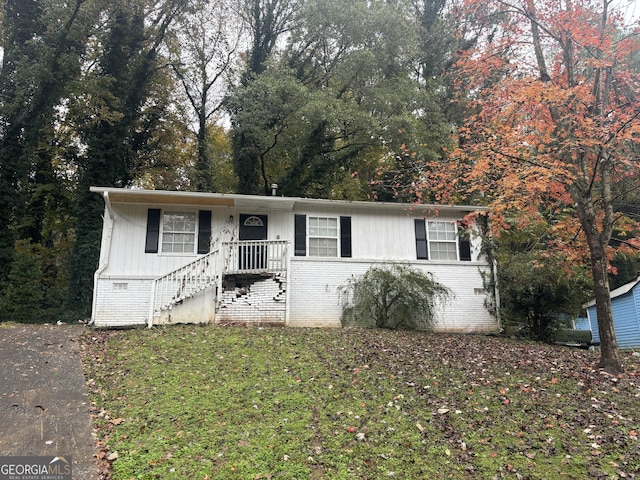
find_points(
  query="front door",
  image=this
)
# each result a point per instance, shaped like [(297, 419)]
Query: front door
[(253, 227)]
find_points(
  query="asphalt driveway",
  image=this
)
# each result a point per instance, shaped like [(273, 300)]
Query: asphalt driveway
[(44, 408)]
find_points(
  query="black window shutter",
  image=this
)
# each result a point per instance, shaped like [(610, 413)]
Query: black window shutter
[(153, 230), (345, 236), (464, 246), (204, 231), (300, 236), (421, 239)]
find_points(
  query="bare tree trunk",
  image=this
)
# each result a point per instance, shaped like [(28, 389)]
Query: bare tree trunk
[(609, 356), (203, 181)]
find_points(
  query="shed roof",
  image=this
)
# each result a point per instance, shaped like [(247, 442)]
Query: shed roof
[(618, 292), (132, 195)]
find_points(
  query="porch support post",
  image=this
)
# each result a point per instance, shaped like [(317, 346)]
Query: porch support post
[(287, 276)]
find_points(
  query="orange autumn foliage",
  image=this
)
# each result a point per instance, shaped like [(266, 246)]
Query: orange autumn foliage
[(542, 131), (553, 134)]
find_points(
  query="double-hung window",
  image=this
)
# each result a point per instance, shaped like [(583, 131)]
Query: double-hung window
[(323, 236), (317, 236), (178, 232), (441, 240)]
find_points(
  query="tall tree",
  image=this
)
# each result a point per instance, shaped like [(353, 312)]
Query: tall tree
[(267, 21), (204, 57), (43, 43), (348, 96), (364, 57), (119, 123), (261, 112), (445, 34), (557, 115)]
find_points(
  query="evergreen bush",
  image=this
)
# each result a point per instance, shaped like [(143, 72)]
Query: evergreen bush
[(24, 292)]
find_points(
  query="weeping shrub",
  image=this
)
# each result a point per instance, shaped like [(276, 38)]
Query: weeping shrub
[(392, 296)]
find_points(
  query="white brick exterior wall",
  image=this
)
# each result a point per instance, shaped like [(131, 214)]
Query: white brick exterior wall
[(316, 300), (261, 301), (123, 301)]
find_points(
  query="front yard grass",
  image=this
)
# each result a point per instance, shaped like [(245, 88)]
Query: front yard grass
[(247, 403)]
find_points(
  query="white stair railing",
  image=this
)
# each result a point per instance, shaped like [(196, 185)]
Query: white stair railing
[(183, 283), (255, 256), (240, 257)]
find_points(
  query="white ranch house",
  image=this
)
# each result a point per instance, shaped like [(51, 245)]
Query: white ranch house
[(185, 257)]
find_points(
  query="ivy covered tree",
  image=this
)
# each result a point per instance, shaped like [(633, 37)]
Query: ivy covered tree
[(348, 99), (119, 123), (262, 114), (266, 22), (38, 64), (43, 43), (24, 294)]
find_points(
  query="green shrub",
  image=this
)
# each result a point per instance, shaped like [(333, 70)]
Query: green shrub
[(537, 292), (24, 292), (392, 296)]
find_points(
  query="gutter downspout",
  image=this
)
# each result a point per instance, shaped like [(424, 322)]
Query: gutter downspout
[(104, 253), (496, 293)]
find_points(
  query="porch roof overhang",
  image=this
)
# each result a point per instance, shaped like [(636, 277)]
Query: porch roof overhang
[(263, 202)]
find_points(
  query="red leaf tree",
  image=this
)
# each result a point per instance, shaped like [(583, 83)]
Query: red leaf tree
[(554, 130)]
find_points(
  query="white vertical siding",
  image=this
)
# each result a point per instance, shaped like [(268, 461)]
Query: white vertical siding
[(376, 235), (127, 256), (383, 235)]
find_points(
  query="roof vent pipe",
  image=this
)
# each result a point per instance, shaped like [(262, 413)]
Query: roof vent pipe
[(274, 189)]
